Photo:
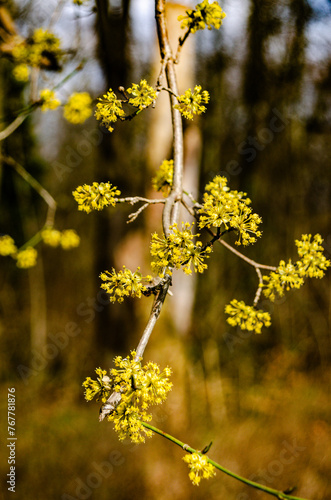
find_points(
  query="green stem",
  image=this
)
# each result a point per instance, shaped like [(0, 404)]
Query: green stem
[(270, 491)]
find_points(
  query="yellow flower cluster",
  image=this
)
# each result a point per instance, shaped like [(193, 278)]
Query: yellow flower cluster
[(95, 196), (191, 103), (178, 251), (109, 109), (48, 100), (204, 15), (101, 388), (41, 47), (164, 176), (312, 264), (123, 284), (78, 108), (68, 238), (7, 245), (246, 317), (21, 72), (139, 386), (230, 209), (143, 95), (199, 467), (26, 258)]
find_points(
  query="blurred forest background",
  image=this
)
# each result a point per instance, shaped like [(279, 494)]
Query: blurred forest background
[(264, 399)]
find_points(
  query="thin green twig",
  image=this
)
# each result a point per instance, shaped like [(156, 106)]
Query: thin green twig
[(270, 491)]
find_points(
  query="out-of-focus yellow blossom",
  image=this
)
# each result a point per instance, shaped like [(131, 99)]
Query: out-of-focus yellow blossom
[(199, 467), (123, 284), (95, 196), (191, 103), (204, 15), (80, 2), (78, 108), (164, 176), (230, 209), (109, 109), (178, 251), (139, 386), (51, 237), (69, 239), (48, 100), (42, 49), (143, 94), (7, 245), (247, 317), (21, 73), (26, 258)]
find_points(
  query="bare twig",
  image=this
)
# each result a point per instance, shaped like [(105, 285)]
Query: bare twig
[(171, 208), (46, 196), (247, 259), (13, 126), (259, 289), (181, 42)]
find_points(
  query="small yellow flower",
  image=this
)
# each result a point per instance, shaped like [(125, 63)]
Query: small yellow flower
[(38, 50), (69, 239), (109, 109), (123, 284), (312, 263), (143, 94), (48, 100), (51, 237), (191, 103), (246, 317), (95, 196), (78, 108), (204, 15), (199, 467), (26, 258), (178, 250), (7, 245), (229, 208), (164, 176), (21, 73)]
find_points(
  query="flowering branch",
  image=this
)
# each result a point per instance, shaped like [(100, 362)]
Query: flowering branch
[(270, 491)]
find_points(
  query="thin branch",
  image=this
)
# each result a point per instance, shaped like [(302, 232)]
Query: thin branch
[(259, 289), (136, 199), (171, 208), (13, 126), (46, 196), (261, 487), (181, 42), (155, 313), (247, 259)]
